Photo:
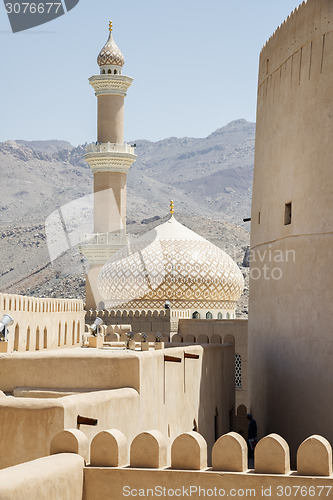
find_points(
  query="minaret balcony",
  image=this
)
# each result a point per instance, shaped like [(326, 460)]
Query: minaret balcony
[(110, 157), (110, 147), (99, 247)]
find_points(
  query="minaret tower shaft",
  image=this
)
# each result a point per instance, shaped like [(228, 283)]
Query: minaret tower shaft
[(110, 159)]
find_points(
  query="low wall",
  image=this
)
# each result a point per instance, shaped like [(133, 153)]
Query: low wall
[(93, 369), (41, 324), (28, 425), (114, 474), (52, 478)]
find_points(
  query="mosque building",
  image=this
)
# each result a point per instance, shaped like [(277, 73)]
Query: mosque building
[(172, 266), (169, 267)]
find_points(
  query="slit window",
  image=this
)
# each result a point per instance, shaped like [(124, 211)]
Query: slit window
[(287, 214)]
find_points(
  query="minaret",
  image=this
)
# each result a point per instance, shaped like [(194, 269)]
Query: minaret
[(110, 159)]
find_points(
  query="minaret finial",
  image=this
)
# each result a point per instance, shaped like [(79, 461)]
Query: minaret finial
[(172, 207), (110, 26)]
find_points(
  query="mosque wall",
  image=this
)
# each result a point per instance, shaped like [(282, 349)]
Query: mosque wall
[(291, 292), (149, 322), (173, 391), (43, 323)]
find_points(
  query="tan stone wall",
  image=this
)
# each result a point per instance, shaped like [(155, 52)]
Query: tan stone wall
[(41, 324), (229, 476), (52, 478), (132, 391), (216, 331), (290, 337)]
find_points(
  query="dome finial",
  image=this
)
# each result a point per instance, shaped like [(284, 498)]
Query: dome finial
[(110, 55), (172, 207)]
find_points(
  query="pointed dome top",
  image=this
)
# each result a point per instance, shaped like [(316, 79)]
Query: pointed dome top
[(110, 53)]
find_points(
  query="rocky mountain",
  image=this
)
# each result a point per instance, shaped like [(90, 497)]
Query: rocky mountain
[(209, 179)]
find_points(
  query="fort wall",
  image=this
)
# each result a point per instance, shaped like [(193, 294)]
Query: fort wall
[(220, 331), (172, 391), (51, 478), (43, 323), (292, 230), (228, 476)]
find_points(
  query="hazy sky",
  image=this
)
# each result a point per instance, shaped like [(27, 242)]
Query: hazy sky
[(194, 65)]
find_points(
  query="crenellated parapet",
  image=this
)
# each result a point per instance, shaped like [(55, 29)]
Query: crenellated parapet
[(18, 303), (42, 323), (308, 22), (188, 452)]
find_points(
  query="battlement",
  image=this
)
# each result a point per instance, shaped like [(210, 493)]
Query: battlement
[(188, 452), (42, 323), (117, 470), (308, 22), (114, 464), (16, 303), (104, 313), (290, 16)]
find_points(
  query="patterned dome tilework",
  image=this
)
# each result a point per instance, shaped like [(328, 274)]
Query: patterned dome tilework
[(110, 54), (180, 270)]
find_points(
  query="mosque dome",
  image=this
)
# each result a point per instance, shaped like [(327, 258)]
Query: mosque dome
[(110, 55), (170, 263)]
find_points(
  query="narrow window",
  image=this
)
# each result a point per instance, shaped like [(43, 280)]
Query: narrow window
[(27, 346), (45, 338), (259, 218), (16, 338), (209, 315), (37, 339), (216, 424), (219, 315), (78, 333), (287, 214), (238, 371)]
